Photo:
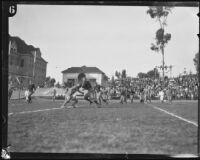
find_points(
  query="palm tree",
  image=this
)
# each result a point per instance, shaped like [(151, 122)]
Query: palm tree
[(160, 13)]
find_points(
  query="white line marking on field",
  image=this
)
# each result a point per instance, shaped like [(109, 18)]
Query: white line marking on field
[(174, 115), (40, 110)]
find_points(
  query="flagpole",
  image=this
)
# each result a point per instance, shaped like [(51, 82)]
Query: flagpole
[(34, 66)]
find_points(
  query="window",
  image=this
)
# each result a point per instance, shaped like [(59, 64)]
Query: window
[(22, 63), (92, 80), (12, 50)]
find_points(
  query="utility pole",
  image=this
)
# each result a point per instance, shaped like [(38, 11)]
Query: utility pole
[(163, 63), (163, 67)]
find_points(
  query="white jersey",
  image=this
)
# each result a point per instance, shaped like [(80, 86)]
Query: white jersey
[(26, 94), (161, 94)]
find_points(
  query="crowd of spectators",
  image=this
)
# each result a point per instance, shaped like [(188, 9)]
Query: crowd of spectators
[(182, 87)]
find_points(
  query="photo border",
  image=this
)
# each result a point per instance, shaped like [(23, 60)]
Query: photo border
[(4, 74)]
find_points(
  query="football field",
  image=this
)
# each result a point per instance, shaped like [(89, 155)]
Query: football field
[(136, 128)]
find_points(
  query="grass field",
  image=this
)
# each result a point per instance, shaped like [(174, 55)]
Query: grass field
[(115, 128)]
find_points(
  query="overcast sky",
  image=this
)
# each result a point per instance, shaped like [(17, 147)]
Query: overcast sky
[(108, 37)]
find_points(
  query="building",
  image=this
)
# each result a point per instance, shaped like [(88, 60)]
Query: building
[(25, 63), (93, 74)]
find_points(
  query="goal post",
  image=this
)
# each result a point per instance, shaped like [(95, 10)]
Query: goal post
[(18, 83)]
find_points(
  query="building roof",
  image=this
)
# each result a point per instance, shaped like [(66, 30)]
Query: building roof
[(43, 60), (83, 69), (22, 47)]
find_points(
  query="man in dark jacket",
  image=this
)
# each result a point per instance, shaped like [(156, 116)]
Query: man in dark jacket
[(132, 93), (31, 89)]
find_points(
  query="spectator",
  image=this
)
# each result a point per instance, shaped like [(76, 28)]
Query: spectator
[(161, 95), (10, 90), (54, 94)]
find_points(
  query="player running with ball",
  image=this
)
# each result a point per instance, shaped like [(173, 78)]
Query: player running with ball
[(84, 87), (71, 95)]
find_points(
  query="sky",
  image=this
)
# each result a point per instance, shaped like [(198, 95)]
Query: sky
[(108, 37)]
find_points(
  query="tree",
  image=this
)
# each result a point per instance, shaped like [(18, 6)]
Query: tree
[(196, 62), (142, 75), (58, 85), (106, 78), (52, 82), (113, 81), (118, 74), (160, 13), (123, 75), (47, 81), (153, 73)]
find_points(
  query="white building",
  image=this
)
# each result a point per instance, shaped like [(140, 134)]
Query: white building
[(93, 74)]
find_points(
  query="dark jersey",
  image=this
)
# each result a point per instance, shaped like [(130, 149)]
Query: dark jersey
[(141, 90), (87, 85), (31, 87), (98, 88), (132, 91), (123, 92)]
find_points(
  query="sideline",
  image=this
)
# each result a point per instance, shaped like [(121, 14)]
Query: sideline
[(174, 115)]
